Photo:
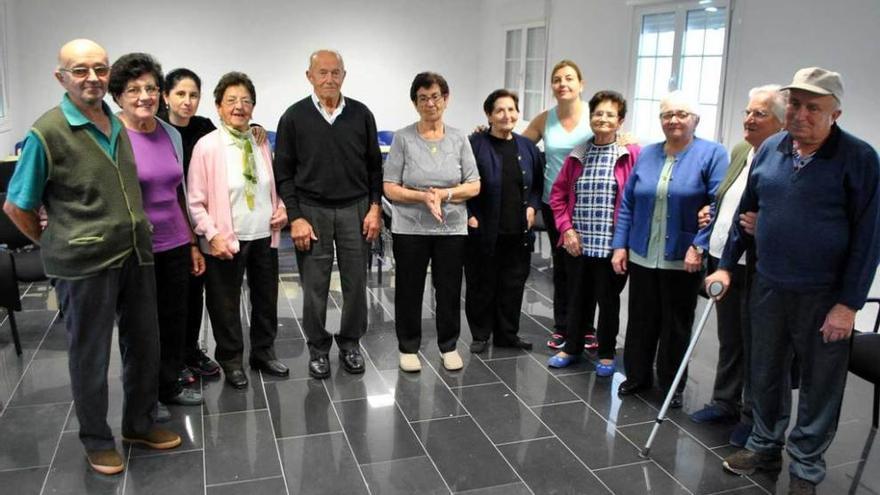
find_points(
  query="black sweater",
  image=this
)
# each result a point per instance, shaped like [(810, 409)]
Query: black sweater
[(327, 165)]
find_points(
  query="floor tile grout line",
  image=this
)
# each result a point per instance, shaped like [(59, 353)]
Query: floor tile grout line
[(202, 419), (309, 435), (41, 404), (525, 440), (240, 482), (23, 468), (417, 421), (628, 464), (228, 413), (400, 410), (262, 384), (29, 363), (465, 409), (389, 461), (474, 385), (57, 447), (654, 461), (165, 453)]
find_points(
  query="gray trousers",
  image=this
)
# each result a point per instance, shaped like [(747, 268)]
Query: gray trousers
[(126, 296), (789, 325), (339, 231)]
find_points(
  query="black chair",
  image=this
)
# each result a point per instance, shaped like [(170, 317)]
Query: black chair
[(20, 261), (864, 361)]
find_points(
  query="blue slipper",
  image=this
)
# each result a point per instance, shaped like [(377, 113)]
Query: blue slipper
[(558, 361), (605, 370)]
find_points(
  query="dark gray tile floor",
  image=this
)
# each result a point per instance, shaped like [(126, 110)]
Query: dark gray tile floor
[(505, 424)]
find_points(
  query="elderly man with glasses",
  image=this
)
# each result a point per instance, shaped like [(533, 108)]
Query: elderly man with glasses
[(78, 163), (814, 189), (731, 396)]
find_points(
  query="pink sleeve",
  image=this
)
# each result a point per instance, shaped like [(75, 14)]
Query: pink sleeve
[(198, 190), (559, 195)]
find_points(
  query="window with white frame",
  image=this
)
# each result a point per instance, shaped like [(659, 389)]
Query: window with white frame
[(525, 66), (679, 46)]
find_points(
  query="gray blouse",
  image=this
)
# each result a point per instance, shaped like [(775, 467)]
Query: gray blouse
[(416, 163)]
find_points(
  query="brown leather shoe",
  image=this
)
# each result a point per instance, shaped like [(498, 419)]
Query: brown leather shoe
[(157, 438), (107, 461)]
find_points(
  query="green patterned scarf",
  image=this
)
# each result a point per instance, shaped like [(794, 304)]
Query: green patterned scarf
[(248, 165)]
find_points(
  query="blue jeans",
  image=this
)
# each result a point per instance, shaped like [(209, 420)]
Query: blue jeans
[(785, 324)]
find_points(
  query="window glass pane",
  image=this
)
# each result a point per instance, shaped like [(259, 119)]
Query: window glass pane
[(647, 44), (662, 74), (641, 120), (645, 78), (535, 43), (665, 43), (708, 117), (714, 42), (511, 74), (690, 75), (532, 105), (693, 41), (514, 45), (710, 80), (534, 75)]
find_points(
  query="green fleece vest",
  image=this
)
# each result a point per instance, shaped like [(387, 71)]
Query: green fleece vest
[(93, 201)]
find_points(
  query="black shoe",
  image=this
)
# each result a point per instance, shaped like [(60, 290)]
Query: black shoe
[(675, 403), (478, 346), (203, 365), (236, 378), (516, 343), (352, 360), (319, 367), (272, 367), (629, 387)]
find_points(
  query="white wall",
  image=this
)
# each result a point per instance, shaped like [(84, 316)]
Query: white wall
[(7, 30), (384, 44), (770, 40)]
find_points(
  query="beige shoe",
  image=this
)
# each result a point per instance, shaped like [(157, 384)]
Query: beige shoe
[(410, 362), (107, 461), (452, 361)]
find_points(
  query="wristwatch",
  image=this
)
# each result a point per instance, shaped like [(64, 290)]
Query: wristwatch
[(698, 249)]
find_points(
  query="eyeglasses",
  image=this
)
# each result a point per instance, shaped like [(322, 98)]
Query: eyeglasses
[(435, 98), (758, 114), (83, 72), (232, 101), (134, 92), (680, 114), (609, 115)]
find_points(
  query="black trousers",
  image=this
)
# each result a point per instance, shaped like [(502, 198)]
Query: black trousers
[(195, 300), (661, 314), (495, 285), (560, 280), (126, 296), (731, 391), (412, 253), (172, 280), (223, 279), (590, 281)]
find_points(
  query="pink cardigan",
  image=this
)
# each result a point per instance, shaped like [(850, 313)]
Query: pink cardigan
[(563, 194), (208, 191)]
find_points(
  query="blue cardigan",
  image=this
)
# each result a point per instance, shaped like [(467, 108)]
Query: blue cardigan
[(696, 175), (486, 206)]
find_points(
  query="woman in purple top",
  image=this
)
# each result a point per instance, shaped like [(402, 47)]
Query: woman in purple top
[(135, 83)]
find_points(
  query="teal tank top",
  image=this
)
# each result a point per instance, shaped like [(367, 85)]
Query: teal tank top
[(558, 143)]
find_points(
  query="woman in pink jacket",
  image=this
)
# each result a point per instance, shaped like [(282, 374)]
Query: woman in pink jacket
[(238, 217), (585, 199)]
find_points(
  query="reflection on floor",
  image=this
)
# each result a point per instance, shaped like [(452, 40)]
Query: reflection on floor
[(503, 425)]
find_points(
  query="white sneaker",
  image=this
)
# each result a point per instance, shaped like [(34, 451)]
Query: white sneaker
[(452, 361), (410, 362)]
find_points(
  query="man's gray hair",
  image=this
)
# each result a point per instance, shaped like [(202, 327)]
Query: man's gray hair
[(315, 54), (778, 98)]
